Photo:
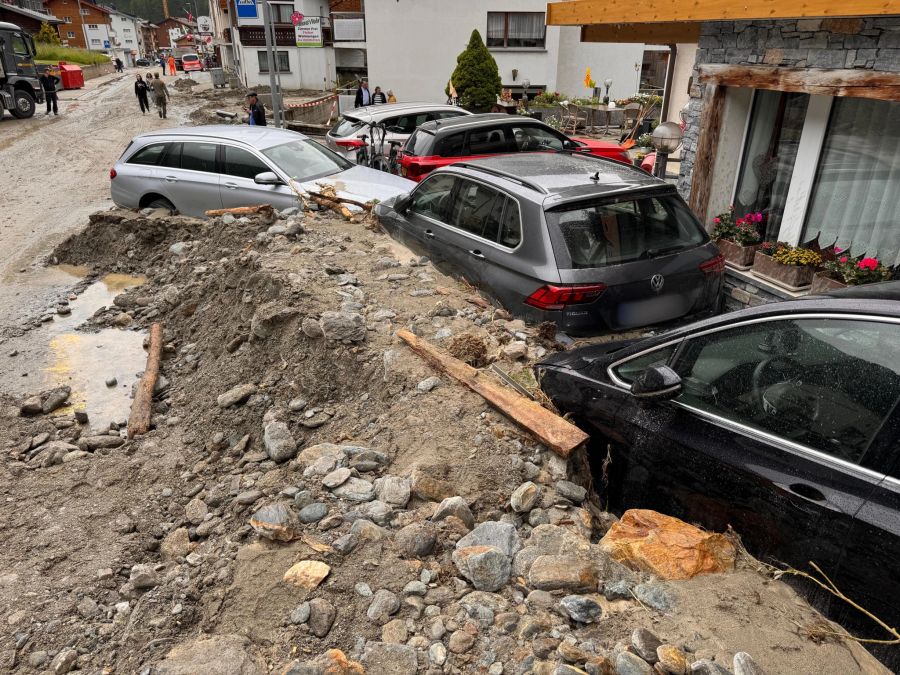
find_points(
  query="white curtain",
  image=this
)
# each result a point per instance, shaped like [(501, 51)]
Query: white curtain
[(526, 29), (856, 195), (496, 29)]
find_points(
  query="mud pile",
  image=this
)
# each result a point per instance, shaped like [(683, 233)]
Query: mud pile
[(313, 498)]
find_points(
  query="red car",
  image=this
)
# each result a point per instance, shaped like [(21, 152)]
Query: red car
[(191, 62), (458, 139)]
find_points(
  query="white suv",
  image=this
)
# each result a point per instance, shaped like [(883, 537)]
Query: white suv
[(398, 119)]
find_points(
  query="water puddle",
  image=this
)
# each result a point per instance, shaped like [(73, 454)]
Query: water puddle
[(85, 361)]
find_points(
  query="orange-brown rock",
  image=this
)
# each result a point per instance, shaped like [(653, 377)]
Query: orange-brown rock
[(648, 541)]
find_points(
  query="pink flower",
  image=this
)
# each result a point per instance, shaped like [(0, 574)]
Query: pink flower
[(838, 249), (843, 259), (740, 221), (717, 220), (868, 264), (757, 217)]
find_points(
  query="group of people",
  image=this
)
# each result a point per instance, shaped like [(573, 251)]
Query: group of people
[(153, 84), (171, 63), (366, 97)]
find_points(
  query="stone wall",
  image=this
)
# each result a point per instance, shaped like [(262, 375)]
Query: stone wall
[(90, 72), (741, 291), (870, 43)]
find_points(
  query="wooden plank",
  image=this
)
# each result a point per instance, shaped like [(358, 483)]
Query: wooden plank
[(707, 148), (558, 434), (873, 84), (241, 210), (585, 12), (139, 420), (646, 33)]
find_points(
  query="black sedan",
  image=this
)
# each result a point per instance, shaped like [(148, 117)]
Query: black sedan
[(782, 421)]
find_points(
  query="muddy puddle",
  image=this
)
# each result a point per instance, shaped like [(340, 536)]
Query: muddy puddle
[(58, 354)]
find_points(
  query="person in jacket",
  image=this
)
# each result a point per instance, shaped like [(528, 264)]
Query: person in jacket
[(120, 67), (256, 113), (391, 97), (363, 95), (378, 96), (172, 70), (160, 94), (48, 84), (162, 63), (141, 91)]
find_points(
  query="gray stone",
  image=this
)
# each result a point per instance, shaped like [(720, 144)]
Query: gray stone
[(143, 577), (195, 511), (525, 497), (384, 604), (618, 590), (38, 659), (645, 644), (380, 658), (363, 589), (236, 395), (437, 654), (630, 664), (416, 540), (336, 478), (393, 490), (582, 608), (562, 572), (415, 587), (248, 497), (376, 511), (745, 665), (111, 382), (571, 491), (494, 533), (655, 595), (356, 490), (31, 406), (348, 326), (429, 384), (321, 616), (461, 642), (312, 328), (313, 513), (64, 661), (300, 614), (454, 506), (707, 667), (220, 654), (55, 399), (487, 567), (279, 443)]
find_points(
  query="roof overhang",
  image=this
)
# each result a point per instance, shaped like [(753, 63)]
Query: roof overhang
[(40, 16)]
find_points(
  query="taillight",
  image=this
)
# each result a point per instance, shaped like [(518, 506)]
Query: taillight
[(350, 143), (415, 170), (112, 174), (557, 297), (713, 266)]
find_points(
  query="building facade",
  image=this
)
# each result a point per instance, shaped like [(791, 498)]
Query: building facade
[(85, 25), (170, 29), (27, 14), (125, 37)]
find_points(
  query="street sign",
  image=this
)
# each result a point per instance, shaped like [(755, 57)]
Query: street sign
[(246, 9), (207, 39), (296, 18), (309, 32), (106, 44), (204, 24)]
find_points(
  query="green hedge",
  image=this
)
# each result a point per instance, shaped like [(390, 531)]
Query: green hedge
[(47, 53)]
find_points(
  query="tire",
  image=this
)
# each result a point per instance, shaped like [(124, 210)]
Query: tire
[(23, 104), (161, 203)]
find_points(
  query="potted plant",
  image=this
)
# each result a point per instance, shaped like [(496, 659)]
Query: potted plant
[(845, 271), (789, 266), (738, 239)]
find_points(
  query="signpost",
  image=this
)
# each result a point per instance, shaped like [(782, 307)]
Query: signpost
[(204, 25), (246, 9), (309, 32)]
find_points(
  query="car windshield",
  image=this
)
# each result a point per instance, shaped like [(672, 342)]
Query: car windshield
[(598, 234), (346, 126), (306, 160), (190, 57)]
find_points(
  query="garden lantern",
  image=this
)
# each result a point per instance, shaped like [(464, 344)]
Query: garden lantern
[(666, 139)]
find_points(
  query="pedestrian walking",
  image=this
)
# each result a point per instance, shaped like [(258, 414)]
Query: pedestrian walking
[(363, 95), (141, 91), (391, 97), (256, 112), (120, 67), (48, 84), (162, 64), (378, 96), (148, 82), (172, 65), (160, 94)]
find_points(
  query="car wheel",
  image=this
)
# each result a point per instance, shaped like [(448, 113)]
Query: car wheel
[(23, 104), (162, 203)]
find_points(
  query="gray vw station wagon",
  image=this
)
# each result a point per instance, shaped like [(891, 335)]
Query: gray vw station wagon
[(586, 242)]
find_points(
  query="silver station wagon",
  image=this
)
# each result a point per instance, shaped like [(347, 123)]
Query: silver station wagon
[(196, 169)]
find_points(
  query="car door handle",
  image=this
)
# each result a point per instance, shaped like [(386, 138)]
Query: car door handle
[(231, 186), (810, 494), (171, 179), (477, 254), (429, 234)]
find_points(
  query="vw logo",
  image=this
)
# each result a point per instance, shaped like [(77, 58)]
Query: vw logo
[(656, 282)]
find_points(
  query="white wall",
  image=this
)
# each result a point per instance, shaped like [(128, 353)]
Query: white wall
[(684, 68), (606, 60), (310, 68)]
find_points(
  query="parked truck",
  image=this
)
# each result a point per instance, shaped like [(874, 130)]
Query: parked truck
[(20, 89)]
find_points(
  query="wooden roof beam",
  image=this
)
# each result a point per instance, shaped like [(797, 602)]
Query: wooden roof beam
[(587, 12), (645, 33)]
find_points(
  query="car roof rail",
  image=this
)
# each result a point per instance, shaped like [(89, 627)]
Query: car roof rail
[(503, 174)]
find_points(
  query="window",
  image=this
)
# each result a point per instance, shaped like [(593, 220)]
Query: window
[(283, 62), (128, 42), (516, 29), (281, 13), (432, 197), (172, 156), (854, 196), (20, 47), (92, 26), (453, 145), (610, 233), (85, 12), (532, 138), (95, 41), (408, 123), (827, 384), (477, 209), (70, 34), (68, 19), (199, 157), (149, 155), (487, 141), (306, 160), (511, 225), (243, 164)]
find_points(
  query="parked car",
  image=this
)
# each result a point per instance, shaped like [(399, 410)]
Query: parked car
[(191, 63), (583, 241), (782, 421), (440, 143), (142, 63), (399, 120), (195, 169)]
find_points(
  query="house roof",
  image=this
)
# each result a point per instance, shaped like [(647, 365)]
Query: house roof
[(100, 9), (30, 13)]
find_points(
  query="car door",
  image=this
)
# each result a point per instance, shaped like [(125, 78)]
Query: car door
[(489, 140), (238, 188), (428, 207), (188, 174), (768, 435), (534, 138)]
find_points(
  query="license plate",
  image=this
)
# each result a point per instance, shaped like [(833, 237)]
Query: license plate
[(651, 310)]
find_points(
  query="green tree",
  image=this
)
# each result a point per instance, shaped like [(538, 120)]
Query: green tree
[(47, 35), (476, 77)]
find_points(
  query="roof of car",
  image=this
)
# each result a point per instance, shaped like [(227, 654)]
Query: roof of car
[(258, 137), (473, 120), (565, 175), (380, 110), (886, 290)]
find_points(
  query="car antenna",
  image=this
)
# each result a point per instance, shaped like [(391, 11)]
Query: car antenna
[(596, 177)]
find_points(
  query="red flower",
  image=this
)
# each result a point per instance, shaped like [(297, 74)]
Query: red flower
[(868, 264), (717, 220), (838, 249), (843, 259), (740, 221)]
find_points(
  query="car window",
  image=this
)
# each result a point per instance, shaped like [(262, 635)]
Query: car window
[(239, 162), (346, 126), (511, 227), (630, 369), (445, 114), (489, 141), (600, 234), (172, 157), (432, 197), (199, 157), (828, 384), (306, 160), (20, 48), (529, 138), (452, 145), (477, 209), (408, 123), (148, 155)]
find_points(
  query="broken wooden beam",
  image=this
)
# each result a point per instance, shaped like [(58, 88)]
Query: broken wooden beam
[(331, 204), (139, 420), (558, 434), (241, 210)]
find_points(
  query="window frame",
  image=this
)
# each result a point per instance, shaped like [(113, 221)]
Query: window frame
[(509, 199), (223, 161), (432, 178), (505, 45), (261, 53)]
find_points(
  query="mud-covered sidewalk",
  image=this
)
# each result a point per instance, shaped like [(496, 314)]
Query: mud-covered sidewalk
[(314, 498)]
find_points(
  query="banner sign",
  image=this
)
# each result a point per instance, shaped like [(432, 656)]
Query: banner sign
[(309, 32), (246, 9), (204, 24)]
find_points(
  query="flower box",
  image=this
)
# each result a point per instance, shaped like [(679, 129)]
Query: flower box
[(737, 255), (791, 277), (822, 284)]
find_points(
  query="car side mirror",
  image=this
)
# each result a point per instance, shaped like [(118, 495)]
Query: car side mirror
[(401, 204), (657, 383), (267, 178), (570, 145)]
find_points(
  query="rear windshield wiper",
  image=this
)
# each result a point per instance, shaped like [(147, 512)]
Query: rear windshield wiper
[(656, 252)]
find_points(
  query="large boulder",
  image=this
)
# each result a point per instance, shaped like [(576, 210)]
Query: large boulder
[(219, 655)]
